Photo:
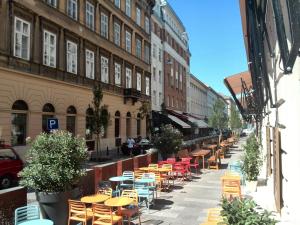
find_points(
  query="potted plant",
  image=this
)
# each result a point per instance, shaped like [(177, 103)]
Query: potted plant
[(245, 211), (251, 162), (55, 165), (168, 141)]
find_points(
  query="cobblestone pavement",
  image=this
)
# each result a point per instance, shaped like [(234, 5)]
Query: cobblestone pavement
[(188, 203)]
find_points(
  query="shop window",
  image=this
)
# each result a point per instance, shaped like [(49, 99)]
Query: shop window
[(19, 122)]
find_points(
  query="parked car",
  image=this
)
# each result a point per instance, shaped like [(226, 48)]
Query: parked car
[(10, 165)]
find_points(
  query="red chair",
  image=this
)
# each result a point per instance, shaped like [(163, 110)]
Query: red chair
[(171, 160), (179, 169), (195, 164), (187, 163)]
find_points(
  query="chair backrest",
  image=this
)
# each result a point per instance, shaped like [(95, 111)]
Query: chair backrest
[(25, 213), (171, 160), (185, 159), (167, 166), (77, 207), (102, 212), (149, 175), (214, 215), (133, 194), (128, 174), (138, 174), (153, 166), (107, 192)]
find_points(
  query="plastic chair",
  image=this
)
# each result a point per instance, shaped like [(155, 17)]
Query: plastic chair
[(108, 192), (26, 213), (152, 186), (231, 188), (153, 166), (180, 170), (132, 209), (104, 215), (213, 161), (144, 192), (195, 164), (214, 215), (78, 212), (170, 174), (138, 174), (128, 184), (171, 160)]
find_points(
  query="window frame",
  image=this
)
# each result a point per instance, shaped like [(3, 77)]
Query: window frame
[(91, 61), (89, 14), (128, 83), (138, 81), (104, 69), (128, 41), (128, 8), (68, 59), (117, 3), (104, 29), (138, 15), (49, 2), (26, 35), (138, 48), (117, 34), (147, 85), (49, 48), (147, 24), (73, 3), (118, 67)]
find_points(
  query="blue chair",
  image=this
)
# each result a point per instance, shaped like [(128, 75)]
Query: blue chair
[(236, 167), (144, 193), (130, 179), (26, 213), (152, 186)]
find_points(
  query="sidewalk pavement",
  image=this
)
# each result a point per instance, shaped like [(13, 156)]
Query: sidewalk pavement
[(188, 203)]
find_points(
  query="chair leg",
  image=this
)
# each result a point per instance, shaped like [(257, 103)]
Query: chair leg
[(139, 219), (129, 219)]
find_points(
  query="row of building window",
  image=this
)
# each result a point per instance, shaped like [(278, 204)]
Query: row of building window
[(176, 103), (19, 121), (155, 52), (154, 98), (72, 11), (22, 50)]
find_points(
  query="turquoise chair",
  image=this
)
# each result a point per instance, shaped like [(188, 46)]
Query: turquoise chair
[(152, 186), (129, 183), (236, 167), (144, 193), (26, 213)]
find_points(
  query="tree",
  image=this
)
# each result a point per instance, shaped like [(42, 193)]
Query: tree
[(100, 117), (234, 121), (218, 119)]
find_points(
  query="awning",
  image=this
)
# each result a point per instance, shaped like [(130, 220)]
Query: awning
[(240, 87), (200, 123), (179, 121)]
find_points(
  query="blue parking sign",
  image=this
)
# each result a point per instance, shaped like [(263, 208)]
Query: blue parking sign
[(52, 124)]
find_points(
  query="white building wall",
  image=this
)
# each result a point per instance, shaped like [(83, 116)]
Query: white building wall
[(157, 77)]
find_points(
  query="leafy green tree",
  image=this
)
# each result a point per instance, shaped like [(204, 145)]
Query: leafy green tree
[(168, 140), (218, 119), (101, 116), (235, 120)]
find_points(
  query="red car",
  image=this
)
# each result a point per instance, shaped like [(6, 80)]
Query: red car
[(10, 166)]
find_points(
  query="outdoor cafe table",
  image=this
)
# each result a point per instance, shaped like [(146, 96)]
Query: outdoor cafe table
[(161, 170), (118, 202), (200, 153), (212, 147), (98, 198), (38, 222)]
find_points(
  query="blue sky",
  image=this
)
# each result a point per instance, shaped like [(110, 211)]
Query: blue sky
[(216, 39)]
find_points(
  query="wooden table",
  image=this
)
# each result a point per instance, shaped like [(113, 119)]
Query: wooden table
[(200, 153), (98, 198), (118, 202)]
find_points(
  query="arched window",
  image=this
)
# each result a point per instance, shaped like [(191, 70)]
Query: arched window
[(105, 114), (117, 124), (138, 124), (128, 124), (71, 119), (19, 122), (48, 113), (89, 114)]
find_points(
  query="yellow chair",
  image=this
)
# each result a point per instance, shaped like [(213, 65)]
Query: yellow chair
[(153, 166), (170, 174), (78, 212), (107, 191), (129, 212), (138, 174), (214, 216), (103, 215)]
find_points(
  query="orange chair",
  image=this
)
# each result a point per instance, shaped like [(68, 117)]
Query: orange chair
[(78, 212), (153, 167), (107, 192), (129, 212), (103, 215), (170, 174), (214, 161)]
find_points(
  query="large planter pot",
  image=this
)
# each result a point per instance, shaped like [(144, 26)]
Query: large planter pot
[(251, 185), (54, 206)]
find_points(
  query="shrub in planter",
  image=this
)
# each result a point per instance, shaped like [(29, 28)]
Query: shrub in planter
[(55, 166), (252, 160), (245, 211), (168, 141)]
